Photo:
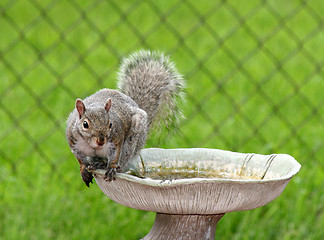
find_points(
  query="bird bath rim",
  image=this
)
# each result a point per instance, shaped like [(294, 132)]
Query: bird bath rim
[(167, 182), (202, 195)]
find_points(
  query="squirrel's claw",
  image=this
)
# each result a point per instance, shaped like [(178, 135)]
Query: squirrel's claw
[(111, 174)]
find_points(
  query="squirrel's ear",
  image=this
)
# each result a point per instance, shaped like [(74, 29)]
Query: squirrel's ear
[(108, 105), (79, 105)]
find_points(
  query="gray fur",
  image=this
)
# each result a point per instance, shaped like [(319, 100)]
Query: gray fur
[(149, 90), (154, 83)]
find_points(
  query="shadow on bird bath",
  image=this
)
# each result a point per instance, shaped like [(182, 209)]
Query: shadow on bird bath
[(191, 189)]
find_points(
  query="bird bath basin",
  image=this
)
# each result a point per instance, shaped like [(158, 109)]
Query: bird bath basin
[(191, 189)]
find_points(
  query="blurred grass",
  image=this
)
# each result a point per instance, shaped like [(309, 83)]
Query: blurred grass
[(273, 102)]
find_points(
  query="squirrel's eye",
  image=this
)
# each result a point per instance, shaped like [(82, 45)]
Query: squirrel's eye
[(85, 124), (110, 125)]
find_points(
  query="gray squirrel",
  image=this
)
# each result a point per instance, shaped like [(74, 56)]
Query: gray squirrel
[(113, 124)]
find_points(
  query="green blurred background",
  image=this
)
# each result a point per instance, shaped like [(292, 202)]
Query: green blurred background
[(254, 71)]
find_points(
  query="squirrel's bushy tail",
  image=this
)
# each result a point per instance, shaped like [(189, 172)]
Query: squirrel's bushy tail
[(154, 83)]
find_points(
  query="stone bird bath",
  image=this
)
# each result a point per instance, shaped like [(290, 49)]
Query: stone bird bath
[(191, 189)]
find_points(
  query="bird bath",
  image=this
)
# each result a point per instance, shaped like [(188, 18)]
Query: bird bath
[(191, 189)]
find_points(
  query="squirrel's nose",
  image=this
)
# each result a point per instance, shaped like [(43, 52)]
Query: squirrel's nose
[(100, 141)]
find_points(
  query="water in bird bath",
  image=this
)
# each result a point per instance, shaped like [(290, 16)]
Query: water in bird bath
[(184, 170)]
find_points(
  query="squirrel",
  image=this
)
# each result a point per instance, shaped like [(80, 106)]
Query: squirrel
[(114, 124)]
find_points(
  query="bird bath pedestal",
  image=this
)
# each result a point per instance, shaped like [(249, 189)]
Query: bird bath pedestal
[(192, 189)]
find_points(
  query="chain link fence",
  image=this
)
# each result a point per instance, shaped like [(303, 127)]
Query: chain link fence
[(254, 71)]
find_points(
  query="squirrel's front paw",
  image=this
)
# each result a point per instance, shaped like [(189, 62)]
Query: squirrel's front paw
[(111, 173)]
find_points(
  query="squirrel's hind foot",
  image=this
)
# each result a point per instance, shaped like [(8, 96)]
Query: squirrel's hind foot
[(86, 177)]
